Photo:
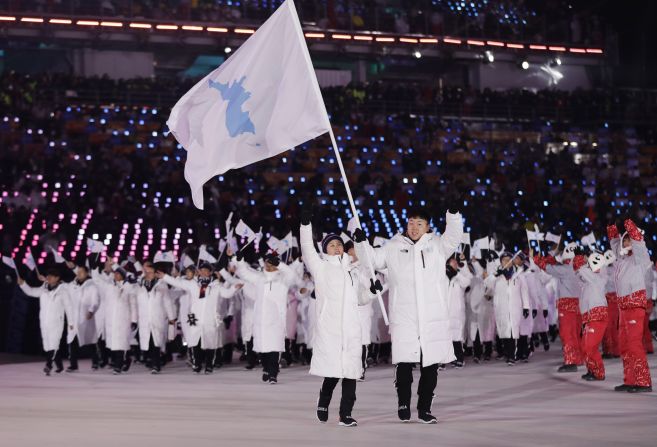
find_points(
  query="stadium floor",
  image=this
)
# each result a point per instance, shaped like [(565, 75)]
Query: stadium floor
[(488, 404)]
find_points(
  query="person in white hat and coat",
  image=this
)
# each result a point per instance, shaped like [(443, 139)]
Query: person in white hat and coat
[(85, 303), (337, 345)]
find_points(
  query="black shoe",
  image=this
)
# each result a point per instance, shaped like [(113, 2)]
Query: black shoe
[(567, 368), (47, 370), (94, 367), (510, 362), (273, 380), (458, 365), (126, 365), (592, 378), (607, 356), (546, 347), (197, 369), (487, 358), (477, 360), (622, 387), (427, 418), (441, 367), (322, 414), (116, 371), (249, 367), (59, 369), (587, 375), (155, 371), (404, 413), (640, 389), (265, 377), (71, 369), (209, 370), (348, 421), (362, 378)]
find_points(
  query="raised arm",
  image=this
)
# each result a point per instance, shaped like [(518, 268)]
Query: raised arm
[(34, 292), (451, 239), (178, 283), (639, 249), (310, 256), (614, 238), (247, 273)]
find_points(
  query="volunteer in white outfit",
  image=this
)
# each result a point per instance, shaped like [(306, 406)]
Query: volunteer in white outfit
[(85, 302)]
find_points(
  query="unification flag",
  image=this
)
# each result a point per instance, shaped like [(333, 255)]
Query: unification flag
[(262, 101), (203, 255)]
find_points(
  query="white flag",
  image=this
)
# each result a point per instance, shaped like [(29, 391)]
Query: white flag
[(244, 231), (379, 241), (478, 245), (29, 261), (589, 239), (186, 261), (9, 262), (262, 101), (203, 255), (230, 217), (273, 243), (166, 256), (344, 237), (556, 238), (95, 246), (58, 258)]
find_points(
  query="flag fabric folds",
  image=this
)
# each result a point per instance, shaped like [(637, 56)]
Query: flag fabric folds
[(262, 101)]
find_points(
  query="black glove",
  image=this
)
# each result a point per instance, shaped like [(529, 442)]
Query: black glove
[(359, 235), (239, 256), (579, 251), (455, 203), (306, 215), (133, 326), (498, 272), (525, 313), (375, 285), (545, 313), (534, 313), (227, 321)]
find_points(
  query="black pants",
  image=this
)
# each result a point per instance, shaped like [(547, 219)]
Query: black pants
[(74, 350), (202, 357), (476, 347), (348, 395), (287, 355), (56, 357), (270, 363), (458, 351), (509, 345), (488, 350), (425, 389), (118, 357), (499, 346), (227, 353), (74, 353), (154, 354), (251, 357), (364, 358), (102, 352), (523, 347)]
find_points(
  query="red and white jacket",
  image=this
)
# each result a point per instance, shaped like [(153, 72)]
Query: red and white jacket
[(630, 270), (592, 302)]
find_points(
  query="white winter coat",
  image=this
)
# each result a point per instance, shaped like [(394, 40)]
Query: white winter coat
[(84, 298), (54, 305), (120, 310), (456, 303), (481, 310), (418, 306), (205, 319), (337, 344), (155, 309), (509, 299), (270, 309)]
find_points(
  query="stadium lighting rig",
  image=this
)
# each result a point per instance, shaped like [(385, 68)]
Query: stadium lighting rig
[(372, 38)]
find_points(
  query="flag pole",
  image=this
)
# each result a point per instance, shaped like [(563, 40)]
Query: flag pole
[(318, 92), (368, 261)]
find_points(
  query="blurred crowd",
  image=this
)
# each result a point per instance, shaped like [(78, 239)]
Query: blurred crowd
[(64, 159)]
